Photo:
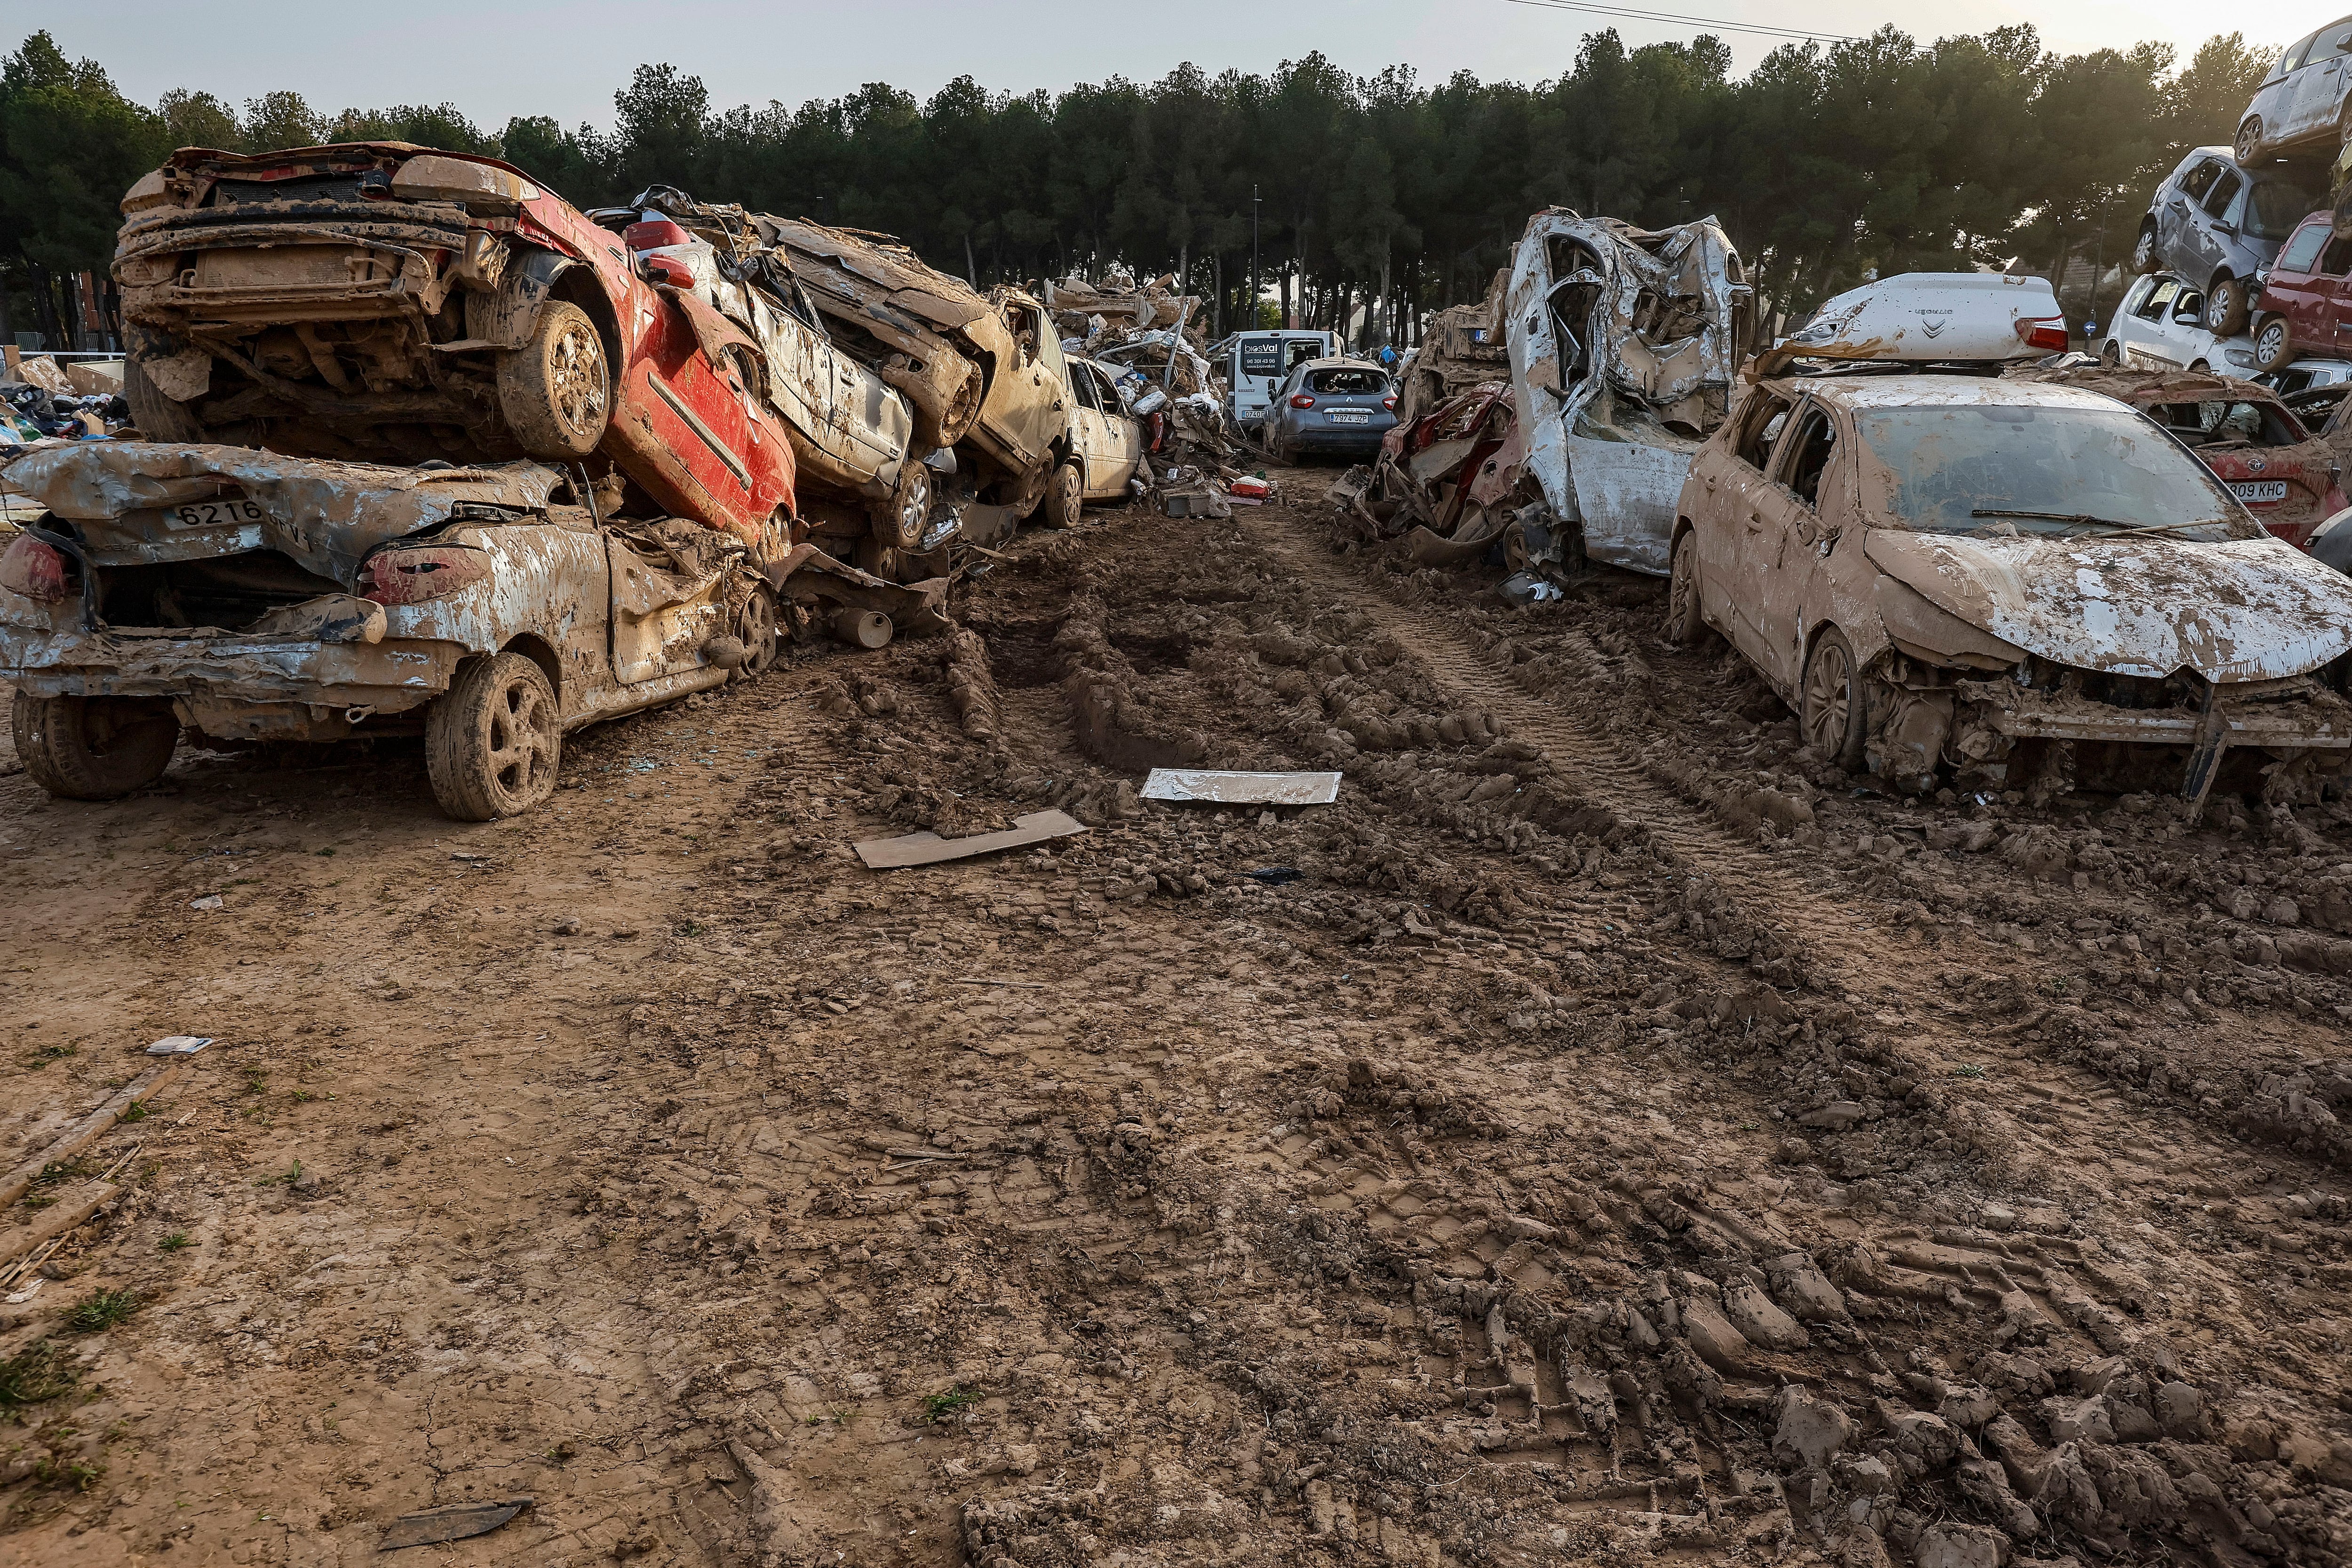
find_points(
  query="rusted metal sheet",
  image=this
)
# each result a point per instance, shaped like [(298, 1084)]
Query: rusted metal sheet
[(1226, 788), (1622, 343)]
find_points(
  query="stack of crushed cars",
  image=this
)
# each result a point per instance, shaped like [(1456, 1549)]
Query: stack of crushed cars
[(1150, 339)]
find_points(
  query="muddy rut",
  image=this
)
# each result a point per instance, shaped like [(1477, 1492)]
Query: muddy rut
[(1602, 1134)]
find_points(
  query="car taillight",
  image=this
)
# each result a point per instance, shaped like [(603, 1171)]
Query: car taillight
[(655, 233), (34, 570), (2047, 332), (1300, 400), (429, 571), (1389, 404)]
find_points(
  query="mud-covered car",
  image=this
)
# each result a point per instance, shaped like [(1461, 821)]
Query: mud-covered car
[(1105, 443), (1336, 407), (2282, 473), (1623, 342), (1453, 481), (246, 596), (2301, 100), (384, 301), (2005, 581)]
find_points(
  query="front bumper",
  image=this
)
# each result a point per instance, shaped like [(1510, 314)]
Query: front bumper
[(382, 677), (2306, 720)]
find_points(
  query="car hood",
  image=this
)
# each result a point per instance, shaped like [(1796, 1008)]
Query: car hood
[(2247, 610)]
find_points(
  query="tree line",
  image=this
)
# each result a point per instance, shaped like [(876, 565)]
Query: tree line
[(1370, 199)]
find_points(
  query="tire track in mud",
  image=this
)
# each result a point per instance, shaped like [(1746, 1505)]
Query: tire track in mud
[(1778, 901)]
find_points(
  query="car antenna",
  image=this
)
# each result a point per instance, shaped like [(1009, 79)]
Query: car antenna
[(587, 492)]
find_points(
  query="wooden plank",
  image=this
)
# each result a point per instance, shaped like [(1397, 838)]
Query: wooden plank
[(84, 1133), (928, 849), (72, 1206)]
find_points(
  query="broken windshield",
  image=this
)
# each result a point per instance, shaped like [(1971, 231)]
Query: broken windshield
[(1989, 467)]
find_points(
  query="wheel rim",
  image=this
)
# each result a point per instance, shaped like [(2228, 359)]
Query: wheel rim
[(522, 739), (2146, 252), (576, 373), (2250, 140), (914, 508), (2217, 307), (2272, 344), (1678, 590), (1827, 681), (759, 634)]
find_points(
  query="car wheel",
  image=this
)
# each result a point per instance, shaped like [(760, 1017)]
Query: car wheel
[(1065, 494), (1685, 623), (2112, 355), (2249, 145), (1832, 712), (900, 522), (2144, 257), (2273, 343), (762, 640), (556, 391), (2227, 306), (93, 748), (493, 741), (158, 418)]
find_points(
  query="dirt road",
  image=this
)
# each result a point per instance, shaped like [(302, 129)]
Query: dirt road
[(1620, 1138)]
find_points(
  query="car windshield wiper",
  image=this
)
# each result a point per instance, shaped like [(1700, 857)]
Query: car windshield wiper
[(2088, 520)]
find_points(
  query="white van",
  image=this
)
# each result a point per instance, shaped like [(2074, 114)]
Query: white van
[(1258, 362)]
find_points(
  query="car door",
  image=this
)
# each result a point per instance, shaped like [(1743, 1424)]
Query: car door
[(2319, 314), (1788, 524), (2319, 84), (2293, 281), (2151, 327), (2176, 218), (1122, 437), (2210, 227), (1730, 526), (1088, 432)]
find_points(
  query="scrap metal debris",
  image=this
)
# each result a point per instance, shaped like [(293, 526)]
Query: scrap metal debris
[(929, 849), (1226, 788), (431, 1527)]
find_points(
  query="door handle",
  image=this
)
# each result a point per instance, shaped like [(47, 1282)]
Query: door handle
[(1708, 480), (1756, 520)]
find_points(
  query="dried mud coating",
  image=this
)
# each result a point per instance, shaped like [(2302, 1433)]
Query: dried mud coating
[(1623, 1141)]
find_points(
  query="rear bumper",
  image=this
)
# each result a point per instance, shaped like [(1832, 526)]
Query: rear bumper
[(385, 677), (1361, 441)]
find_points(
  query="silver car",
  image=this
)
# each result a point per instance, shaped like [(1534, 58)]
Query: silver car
[(2301, 100), (2218, 224)]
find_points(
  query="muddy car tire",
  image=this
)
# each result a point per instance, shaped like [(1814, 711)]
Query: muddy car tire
[(2248, 145), (762, 633), (556, 391), (2143, 257), (1831, 710), (2111, 356), (93, 748), (2273, 343), (493, 742), (158, 418), (2227, 304), (900, 522), (1065, 494), (1685, 623)]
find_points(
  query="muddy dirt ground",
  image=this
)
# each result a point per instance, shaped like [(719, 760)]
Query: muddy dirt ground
[(1605, 1135)]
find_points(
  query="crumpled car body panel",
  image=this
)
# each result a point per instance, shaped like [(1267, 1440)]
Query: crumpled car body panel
[(1620, 337)]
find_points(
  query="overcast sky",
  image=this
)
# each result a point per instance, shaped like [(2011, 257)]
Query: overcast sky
[(532, 56)]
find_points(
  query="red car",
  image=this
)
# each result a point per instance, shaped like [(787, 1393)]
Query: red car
[(383, 301), (2305, 309), (2286, 476)]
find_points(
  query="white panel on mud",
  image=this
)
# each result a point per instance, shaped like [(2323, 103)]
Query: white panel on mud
[(1626, 493)]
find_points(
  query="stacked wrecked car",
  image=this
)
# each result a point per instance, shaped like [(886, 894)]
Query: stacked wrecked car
[(431, 451)]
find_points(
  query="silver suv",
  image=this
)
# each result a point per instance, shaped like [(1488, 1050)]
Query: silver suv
[(2218, 224)]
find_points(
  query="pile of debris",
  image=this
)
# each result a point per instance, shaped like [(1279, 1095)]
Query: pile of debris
[(1145, 328), (1464, 348), (41, 399)]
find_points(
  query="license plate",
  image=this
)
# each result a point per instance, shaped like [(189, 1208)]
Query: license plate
[(1350, 416), (223, 513), (2260, 490)]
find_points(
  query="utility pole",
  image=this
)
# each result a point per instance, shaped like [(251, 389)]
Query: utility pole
[(1250, 318)]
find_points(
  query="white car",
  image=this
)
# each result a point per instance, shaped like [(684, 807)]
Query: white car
[(2159, 325), (1105, 443)]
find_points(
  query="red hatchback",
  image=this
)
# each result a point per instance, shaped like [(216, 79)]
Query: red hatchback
[(386, 302), (2305, 308)]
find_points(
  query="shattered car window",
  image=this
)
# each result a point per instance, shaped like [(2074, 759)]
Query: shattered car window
[(1947, 463), (1346, 383), (2222, 421), (2275, 207)]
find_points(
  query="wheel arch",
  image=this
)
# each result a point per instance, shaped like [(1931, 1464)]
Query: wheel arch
[(540, 651), (578, 284)]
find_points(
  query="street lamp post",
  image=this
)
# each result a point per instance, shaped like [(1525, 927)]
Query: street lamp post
[(1254, 204)]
